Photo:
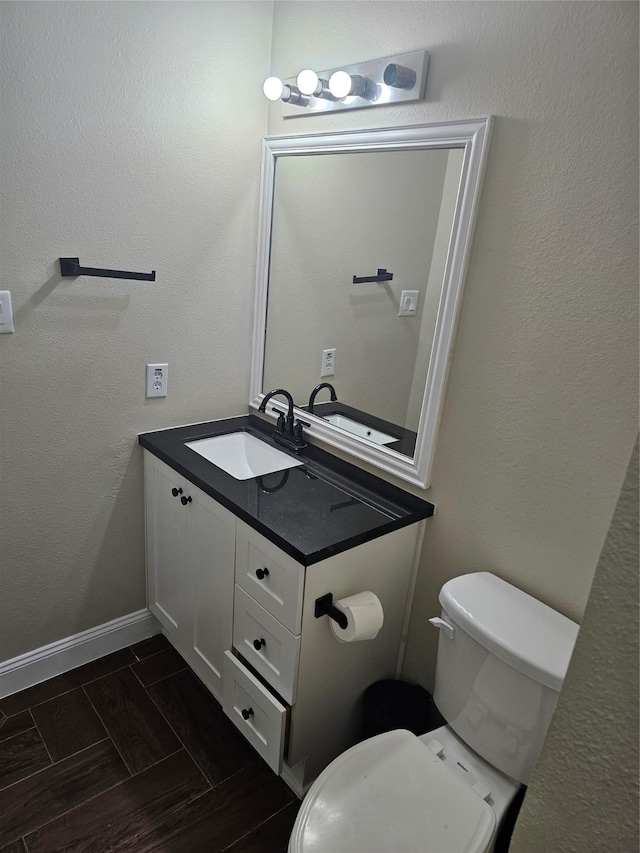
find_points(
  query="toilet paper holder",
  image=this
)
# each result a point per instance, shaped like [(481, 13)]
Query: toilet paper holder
[(325, 607)]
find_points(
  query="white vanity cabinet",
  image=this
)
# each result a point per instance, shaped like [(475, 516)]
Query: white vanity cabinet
[(242, 613), (190, 545), (319, 680)]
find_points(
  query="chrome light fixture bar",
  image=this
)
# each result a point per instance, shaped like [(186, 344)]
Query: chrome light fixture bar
[(395, 79)]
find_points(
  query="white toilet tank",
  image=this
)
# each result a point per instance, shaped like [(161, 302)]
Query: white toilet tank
[(498, 677)]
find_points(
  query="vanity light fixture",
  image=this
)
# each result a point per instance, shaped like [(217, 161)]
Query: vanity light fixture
[(394, 79)]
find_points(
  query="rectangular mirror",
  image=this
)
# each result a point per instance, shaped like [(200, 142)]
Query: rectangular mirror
[(362, 247)]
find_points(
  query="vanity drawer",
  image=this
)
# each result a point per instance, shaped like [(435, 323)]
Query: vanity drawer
[(264, 719), (277, 658), (273, 578)]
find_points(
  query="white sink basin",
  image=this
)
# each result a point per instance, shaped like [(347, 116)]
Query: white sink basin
[(356, 428), (242, 455)]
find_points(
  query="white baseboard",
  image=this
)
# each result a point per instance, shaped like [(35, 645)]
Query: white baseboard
[(43, 663)]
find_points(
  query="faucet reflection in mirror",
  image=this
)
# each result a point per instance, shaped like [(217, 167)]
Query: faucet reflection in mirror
[(394, 79), (411, 191), (318, 388)]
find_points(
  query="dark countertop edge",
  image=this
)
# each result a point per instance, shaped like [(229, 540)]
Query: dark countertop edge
[(404, 506), (370, 535)]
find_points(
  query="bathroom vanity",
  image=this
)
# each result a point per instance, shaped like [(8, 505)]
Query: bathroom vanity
[(237, 562), (234, 570)]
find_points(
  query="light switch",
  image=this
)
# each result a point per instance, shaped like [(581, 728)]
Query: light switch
[(6, 314), (408, 303)]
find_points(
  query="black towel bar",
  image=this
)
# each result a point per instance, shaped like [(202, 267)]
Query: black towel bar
[(382, 275), (70, 267)]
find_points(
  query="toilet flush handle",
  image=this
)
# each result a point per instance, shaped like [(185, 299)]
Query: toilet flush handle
[(448, 629)]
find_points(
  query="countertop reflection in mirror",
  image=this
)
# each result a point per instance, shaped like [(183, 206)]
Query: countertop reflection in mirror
[(339, 207)]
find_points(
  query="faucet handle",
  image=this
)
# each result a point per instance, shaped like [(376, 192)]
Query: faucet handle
[(298, 435), (280, 423)]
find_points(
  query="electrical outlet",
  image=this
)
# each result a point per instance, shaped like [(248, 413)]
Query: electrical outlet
[(157, 375), (328, 367)]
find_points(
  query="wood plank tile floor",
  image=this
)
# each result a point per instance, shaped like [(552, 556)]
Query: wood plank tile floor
[(131, 753)]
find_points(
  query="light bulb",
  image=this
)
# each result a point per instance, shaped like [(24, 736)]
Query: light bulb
[(309, 82), (272, 88), (341, 84)]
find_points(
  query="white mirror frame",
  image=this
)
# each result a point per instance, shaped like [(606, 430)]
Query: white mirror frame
[(472, 135)]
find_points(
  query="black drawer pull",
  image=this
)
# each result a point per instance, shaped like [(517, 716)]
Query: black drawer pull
[(175, 492), (258, 644), (261, 574), (184, 501), (246, 713)]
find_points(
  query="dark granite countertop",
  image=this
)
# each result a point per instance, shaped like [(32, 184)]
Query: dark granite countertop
[(316, 510)]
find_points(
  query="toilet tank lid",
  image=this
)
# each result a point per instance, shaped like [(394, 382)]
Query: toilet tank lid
[(517, 628)]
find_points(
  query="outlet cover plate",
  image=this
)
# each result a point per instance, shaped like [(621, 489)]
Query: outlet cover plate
[(157, 375)]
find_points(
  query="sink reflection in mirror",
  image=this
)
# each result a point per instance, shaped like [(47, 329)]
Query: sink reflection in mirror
[(242, 455), (375, 435)]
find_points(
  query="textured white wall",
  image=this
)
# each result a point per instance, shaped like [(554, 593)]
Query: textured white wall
[(588, 767), (541, 411), (130, 137)]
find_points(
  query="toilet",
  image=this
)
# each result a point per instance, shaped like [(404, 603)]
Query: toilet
[(502, 658)]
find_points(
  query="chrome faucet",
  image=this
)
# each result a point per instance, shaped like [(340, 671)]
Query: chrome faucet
[(314, 393), (287, 433)]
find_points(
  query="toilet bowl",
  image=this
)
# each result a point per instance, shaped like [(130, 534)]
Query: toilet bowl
[(398, 793), (502, 657)]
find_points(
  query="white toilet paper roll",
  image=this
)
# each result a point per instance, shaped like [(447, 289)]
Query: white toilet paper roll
[(364, 614)]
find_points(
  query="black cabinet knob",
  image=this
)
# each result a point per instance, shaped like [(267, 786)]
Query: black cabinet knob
[(246, 713), (175, 492), (262, 573), (184, 501), (258, 644)]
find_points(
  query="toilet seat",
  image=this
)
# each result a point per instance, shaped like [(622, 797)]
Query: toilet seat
[(391, 794)]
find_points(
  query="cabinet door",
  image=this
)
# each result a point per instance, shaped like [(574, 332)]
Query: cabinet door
[(167, 569), (211, 537)]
